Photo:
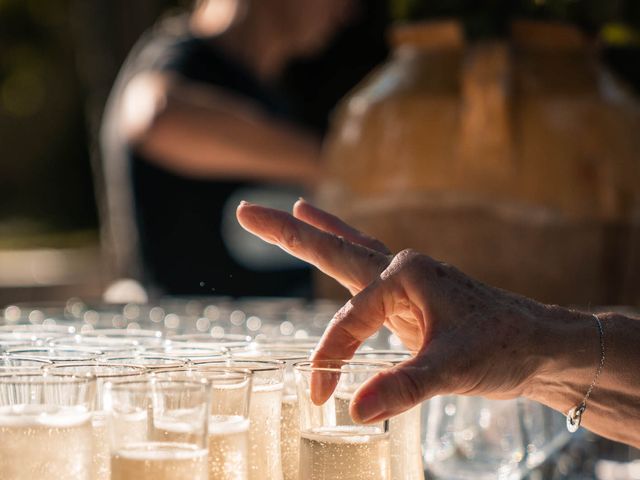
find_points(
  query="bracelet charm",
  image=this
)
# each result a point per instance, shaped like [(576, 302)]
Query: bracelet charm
[(574, 416)]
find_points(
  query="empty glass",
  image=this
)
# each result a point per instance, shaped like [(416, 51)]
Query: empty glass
[(158, 429), (544, 432), (332, 446), (474, 438)]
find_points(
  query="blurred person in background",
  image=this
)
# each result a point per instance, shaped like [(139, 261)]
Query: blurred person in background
[(194, 123)]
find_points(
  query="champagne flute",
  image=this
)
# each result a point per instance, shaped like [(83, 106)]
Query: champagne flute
[(332, 446), (264, 413), (229, 417), (100, 468), (158, 429), (45, 425)]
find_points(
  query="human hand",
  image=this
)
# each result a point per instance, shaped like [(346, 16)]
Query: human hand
[(468, 338)]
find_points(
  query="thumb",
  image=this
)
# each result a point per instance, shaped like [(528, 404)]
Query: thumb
[(397, 389)]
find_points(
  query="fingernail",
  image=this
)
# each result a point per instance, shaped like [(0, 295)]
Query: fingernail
[(301, 199), (243, 203), (369, 406)]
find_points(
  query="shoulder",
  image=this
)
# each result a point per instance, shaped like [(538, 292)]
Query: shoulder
[(166, 46)]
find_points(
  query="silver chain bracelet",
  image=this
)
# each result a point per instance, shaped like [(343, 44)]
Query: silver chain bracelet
[(574, 416)]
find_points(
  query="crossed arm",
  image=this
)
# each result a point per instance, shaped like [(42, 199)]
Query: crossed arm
[(468, 338)]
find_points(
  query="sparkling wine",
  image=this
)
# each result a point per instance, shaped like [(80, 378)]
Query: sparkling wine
[(228, 447), (344, 453), (101, 457), (131, 429), (405, 446), (159, 461), (40, 441), (342, 400), (404, 439), (264, 433), (290, 437)]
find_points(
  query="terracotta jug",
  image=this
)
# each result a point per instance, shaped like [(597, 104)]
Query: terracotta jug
[(516, 160)]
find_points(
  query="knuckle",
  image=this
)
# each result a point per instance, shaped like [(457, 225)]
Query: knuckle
[(340, 242), (407, 254), (410, 262)]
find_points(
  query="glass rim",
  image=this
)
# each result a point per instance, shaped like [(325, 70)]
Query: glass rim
[(286, 340), (187, 352), (122, 333), (149, 383), (54, 358), (18, 369), (172, 362), (78, 340), (53, 348), (290, 348), (266, 356), (51, 368), (233, 337), (141, 355), (382, 351), (240, 374), (41, 376), (43, 360), (264, 365), (362, 366)]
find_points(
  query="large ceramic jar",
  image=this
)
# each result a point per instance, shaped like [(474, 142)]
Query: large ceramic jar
[(516, 160)]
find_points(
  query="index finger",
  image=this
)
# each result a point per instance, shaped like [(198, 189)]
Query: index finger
[(354, 266), (330, 223)]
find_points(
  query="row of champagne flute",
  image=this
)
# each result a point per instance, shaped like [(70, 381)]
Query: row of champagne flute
[(450, 444), (280, 401), (114, 421)]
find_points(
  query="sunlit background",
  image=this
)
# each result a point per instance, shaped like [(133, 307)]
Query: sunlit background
[(58, 60)]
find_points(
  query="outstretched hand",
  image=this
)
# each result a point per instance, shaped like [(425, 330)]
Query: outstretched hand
[(459, 329)]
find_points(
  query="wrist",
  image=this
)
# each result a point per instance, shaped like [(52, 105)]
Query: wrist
[(567, 349)]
